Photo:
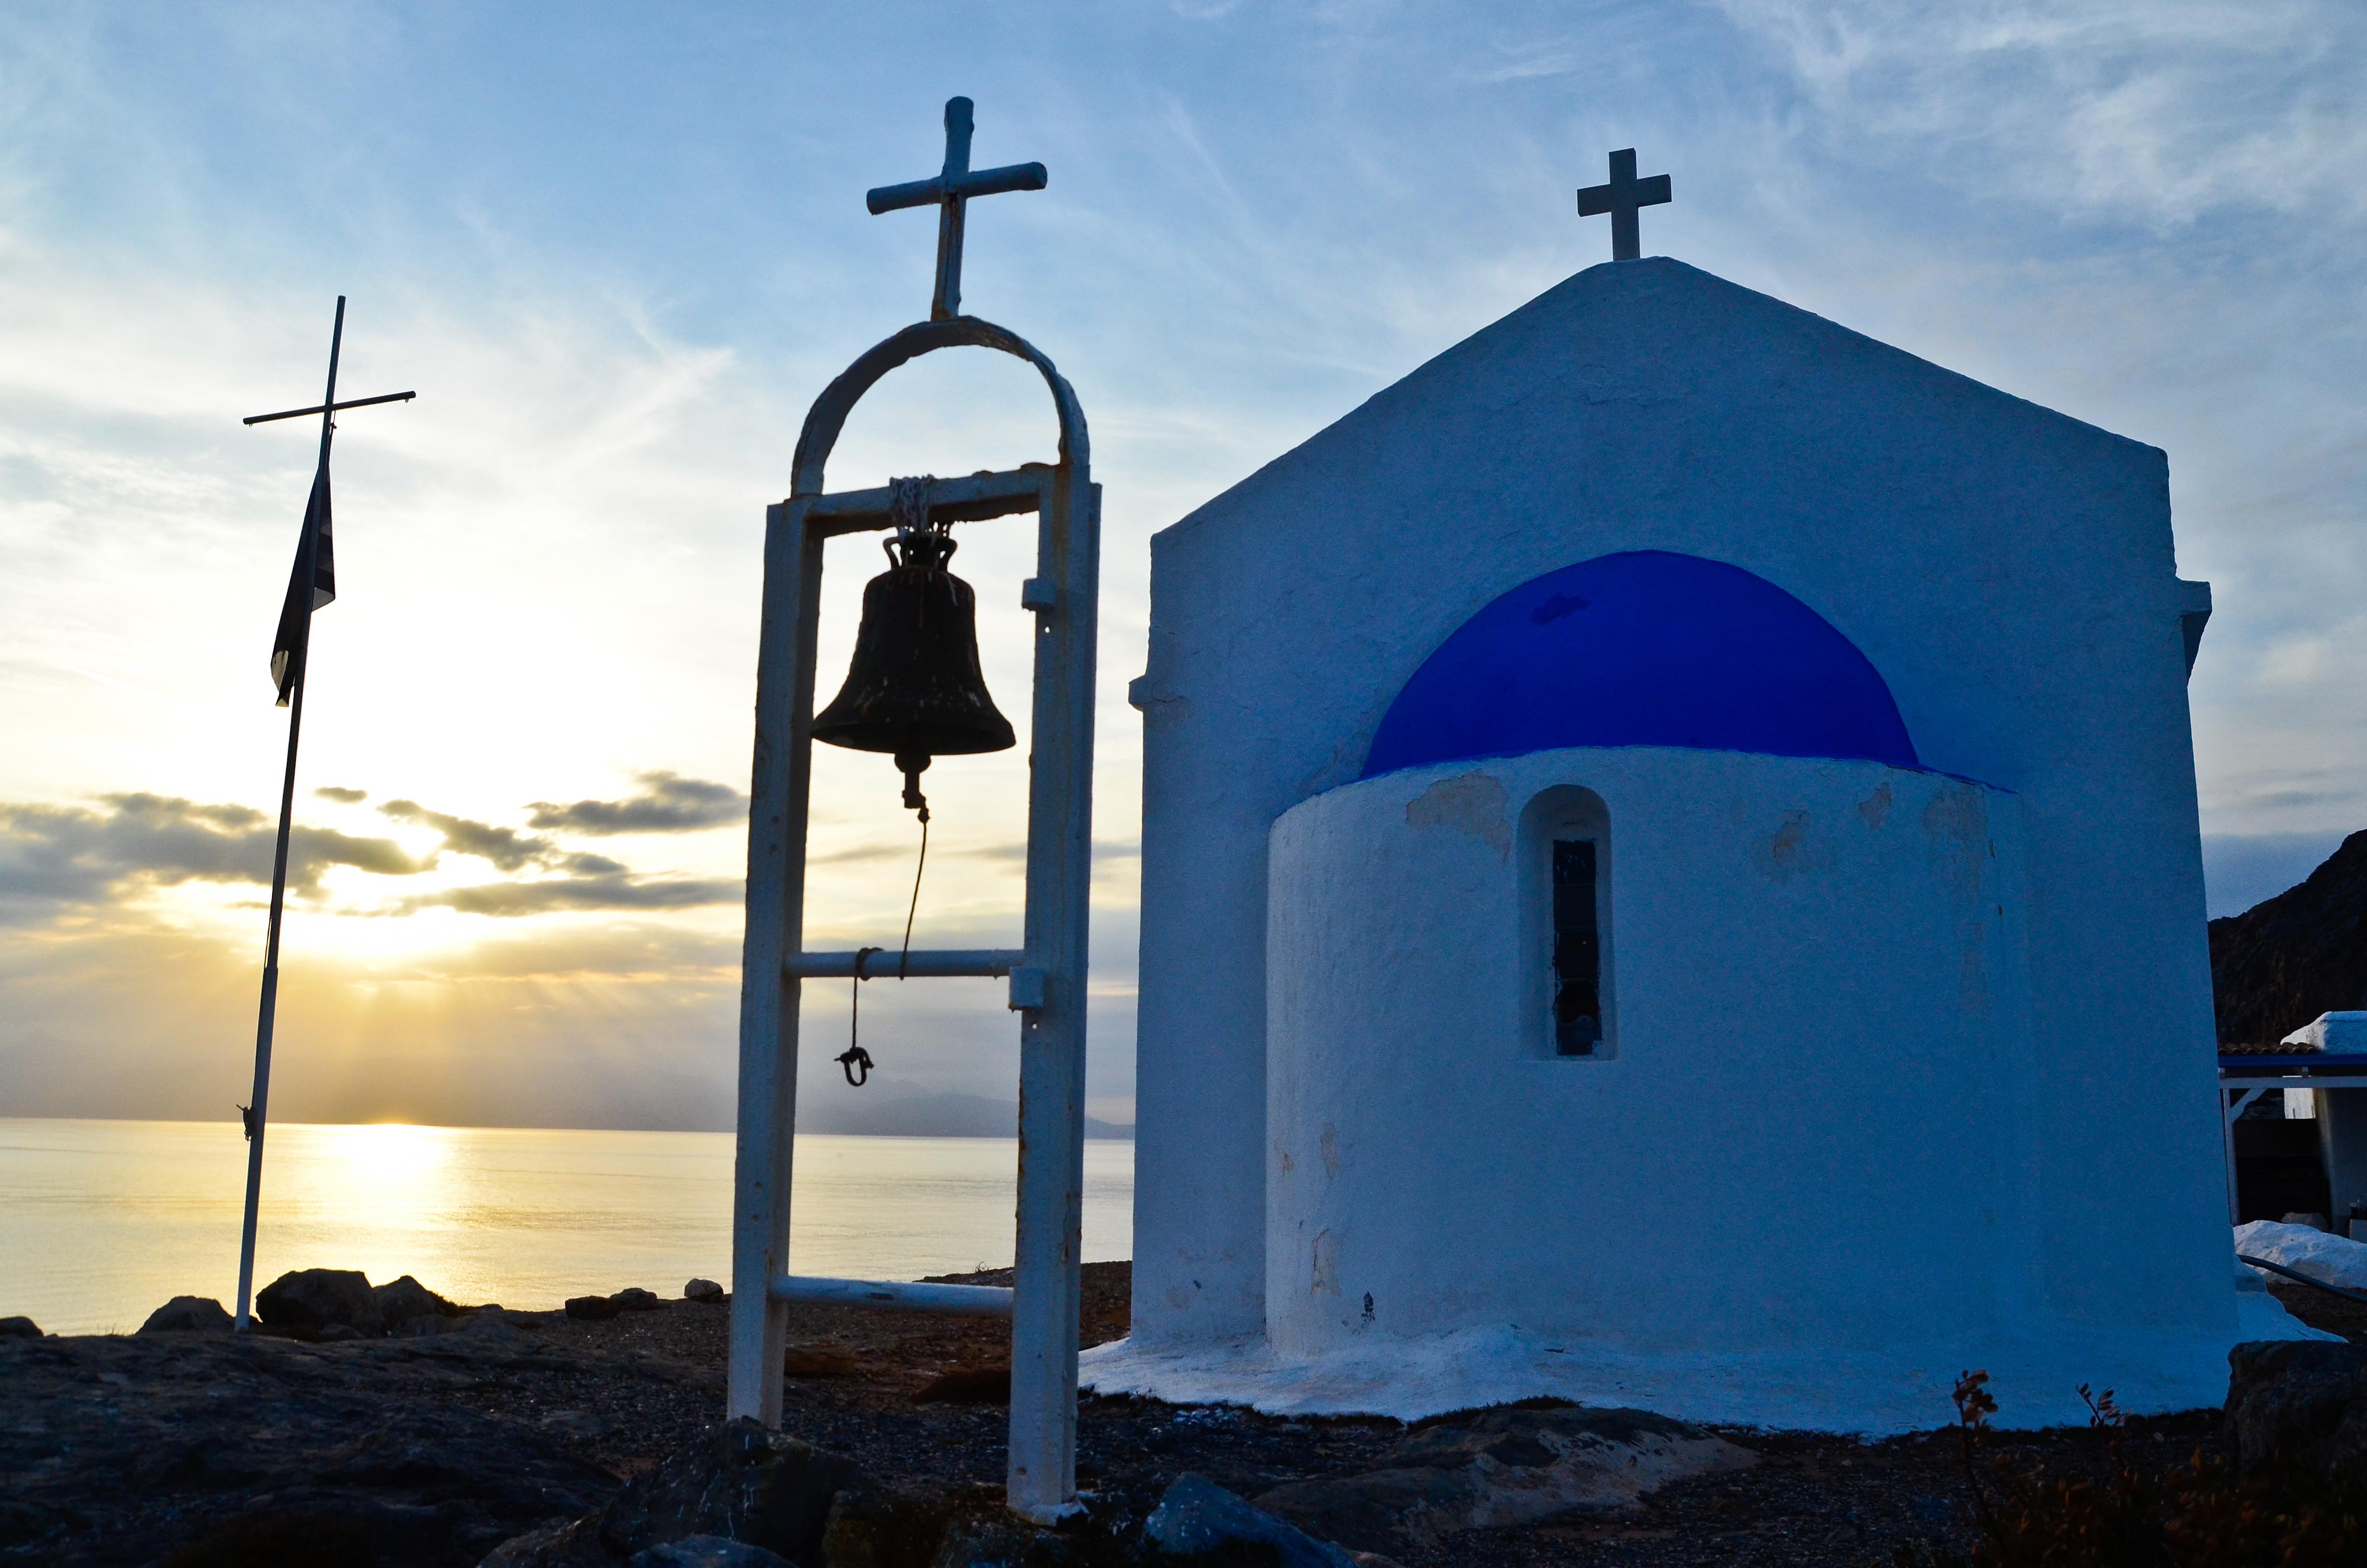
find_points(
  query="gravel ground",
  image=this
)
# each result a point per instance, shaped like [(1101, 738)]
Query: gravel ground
[(122, 1450)]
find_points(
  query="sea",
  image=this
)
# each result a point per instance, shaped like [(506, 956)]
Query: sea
[(103, 1221)]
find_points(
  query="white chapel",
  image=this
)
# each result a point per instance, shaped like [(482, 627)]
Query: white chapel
[(1671, 878)]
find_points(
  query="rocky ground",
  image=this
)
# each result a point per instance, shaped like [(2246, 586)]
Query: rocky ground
[(196, 1448)]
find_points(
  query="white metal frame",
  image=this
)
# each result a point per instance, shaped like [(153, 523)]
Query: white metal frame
[(2239, 1086), (1046, 977)]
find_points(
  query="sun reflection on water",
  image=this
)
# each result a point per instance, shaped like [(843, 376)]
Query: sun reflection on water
[(371, 1155), (102, 1221)]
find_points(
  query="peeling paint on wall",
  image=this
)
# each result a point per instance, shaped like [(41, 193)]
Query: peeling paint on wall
[(1974, 986), (1795, 849), (1875, 808), (1958, 822), (1331, 1150), (1324, 1278), (1470, 803)]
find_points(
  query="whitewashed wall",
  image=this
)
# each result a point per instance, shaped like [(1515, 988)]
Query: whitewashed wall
[(1813, 1126)]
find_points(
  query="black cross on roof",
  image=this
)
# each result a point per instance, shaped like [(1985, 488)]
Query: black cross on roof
[(1621, 198), (953, 187)]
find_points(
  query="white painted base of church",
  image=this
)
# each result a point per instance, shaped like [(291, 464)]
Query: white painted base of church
[(1873, 1392), (1790, 1187)]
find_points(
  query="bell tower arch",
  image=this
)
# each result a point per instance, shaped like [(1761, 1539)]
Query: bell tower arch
[(1046, 974)]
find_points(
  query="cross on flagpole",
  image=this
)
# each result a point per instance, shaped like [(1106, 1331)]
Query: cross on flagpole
[(950, 192), (312, 585), (1622, 199)]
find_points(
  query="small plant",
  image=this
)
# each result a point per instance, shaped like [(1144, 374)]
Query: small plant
[(2194, 1514)]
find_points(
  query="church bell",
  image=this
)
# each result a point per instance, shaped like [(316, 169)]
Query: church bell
[(913, 689)]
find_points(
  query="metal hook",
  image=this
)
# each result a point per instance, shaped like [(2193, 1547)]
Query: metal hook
[(855, 1056)]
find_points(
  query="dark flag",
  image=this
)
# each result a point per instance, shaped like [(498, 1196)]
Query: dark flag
[(297, 612)]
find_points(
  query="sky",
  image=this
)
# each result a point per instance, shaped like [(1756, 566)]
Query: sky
[(619, 249)]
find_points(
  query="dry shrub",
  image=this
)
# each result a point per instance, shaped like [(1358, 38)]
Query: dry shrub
[(2124, 1515)]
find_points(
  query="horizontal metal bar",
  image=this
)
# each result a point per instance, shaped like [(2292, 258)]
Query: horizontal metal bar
[(968, 499), (2296, 1080), (299, 413), (2306, 1060), (887, 964), (1010, 176), (911, 193), (985, 182), (2304, 1278), (957, 1301)]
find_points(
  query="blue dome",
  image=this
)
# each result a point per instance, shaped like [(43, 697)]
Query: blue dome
[(1647, 648)]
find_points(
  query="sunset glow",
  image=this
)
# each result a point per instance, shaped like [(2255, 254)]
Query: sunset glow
[(617, 273)]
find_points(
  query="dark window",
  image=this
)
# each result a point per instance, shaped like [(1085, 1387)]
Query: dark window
[(1577, 951)]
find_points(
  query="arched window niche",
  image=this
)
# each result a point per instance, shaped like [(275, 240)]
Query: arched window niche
[(1568, 1011)]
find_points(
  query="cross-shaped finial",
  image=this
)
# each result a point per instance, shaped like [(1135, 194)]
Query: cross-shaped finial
[(952, 187), (1621, 198)]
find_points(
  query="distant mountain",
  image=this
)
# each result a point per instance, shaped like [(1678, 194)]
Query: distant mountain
[(2280, 964), (925, 1116)]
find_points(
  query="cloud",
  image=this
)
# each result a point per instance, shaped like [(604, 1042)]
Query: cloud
[(859, 852), (624, 1025), (667, 803), (54, 855), (2162, 110), (342, 795), (1104, 849), (611, 890), (508, 850)]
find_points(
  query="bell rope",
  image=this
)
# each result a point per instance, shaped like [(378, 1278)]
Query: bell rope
[(855, 1056)]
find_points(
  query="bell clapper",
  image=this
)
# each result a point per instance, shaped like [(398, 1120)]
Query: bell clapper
[(912, 766), (919, 802)]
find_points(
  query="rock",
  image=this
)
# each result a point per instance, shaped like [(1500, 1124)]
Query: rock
[(281, 1535), (1198, 1519), (742, 1482), (406, 1299), (707, 1552), (2281, 963), (1001, 1543), (205, 1449), (968, 1385), (2300, 1402), (337, 1334), (597, 1309), (636, 1300), (465, 1320), (706, 1290), (314, 1299), (893, 1527), (413, 1328), (493, 1327), (19, 1328), (189, 1315), (563, 1543), (819, 1361), (1503, 1467)]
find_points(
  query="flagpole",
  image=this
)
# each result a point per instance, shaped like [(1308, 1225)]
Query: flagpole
[(306, 576)]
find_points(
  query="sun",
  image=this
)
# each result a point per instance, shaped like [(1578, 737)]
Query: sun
[(371, 1153)]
